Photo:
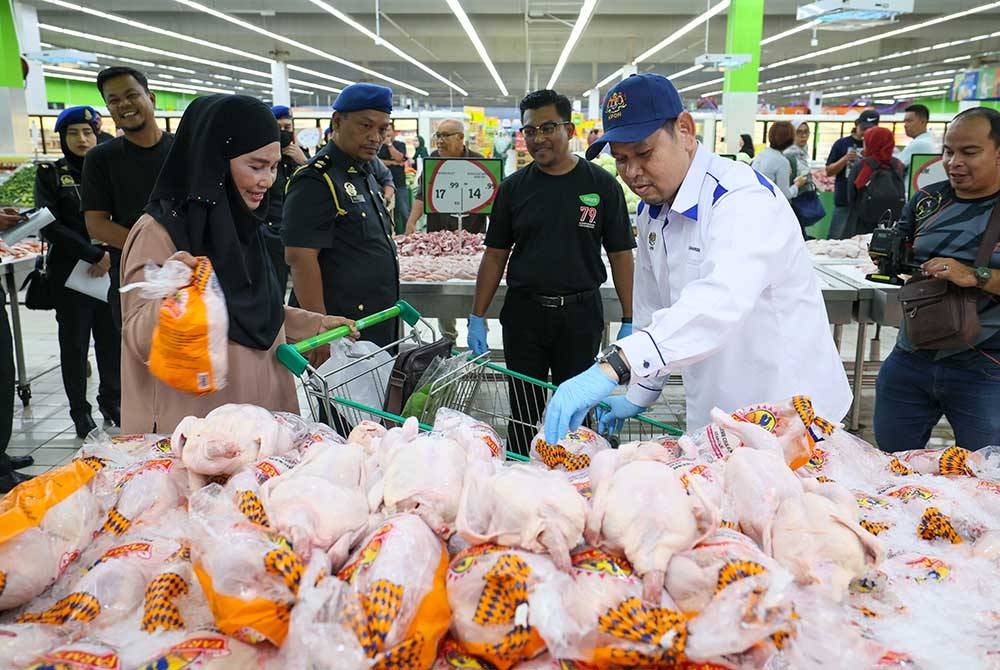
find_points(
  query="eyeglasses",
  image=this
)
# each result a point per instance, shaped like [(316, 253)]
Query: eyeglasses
[(444, 136), (544, 130)]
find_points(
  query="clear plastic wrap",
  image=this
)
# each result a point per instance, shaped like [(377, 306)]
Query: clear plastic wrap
[(468, 431), (573, 452)]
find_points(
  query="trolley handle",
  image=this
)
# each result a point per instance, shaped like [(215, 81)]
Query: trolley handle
[(290, 355)]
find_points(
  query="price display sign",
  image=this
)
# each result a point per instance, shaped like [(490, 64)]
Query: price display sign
[(461, 185), (925, 169)]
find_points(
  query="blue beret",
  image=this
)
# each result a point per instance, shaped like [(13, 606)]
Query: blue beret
[(364, 96), (81, 114), (281, 112)]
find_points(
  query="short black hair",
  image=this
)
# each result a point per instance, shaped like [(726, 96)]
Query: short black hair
[(991, 115), (544, 98), (110, 73), (919, 111)]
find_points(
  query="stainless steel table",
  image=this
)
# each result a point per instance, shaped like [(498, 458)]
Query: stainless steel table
[(14, 272)]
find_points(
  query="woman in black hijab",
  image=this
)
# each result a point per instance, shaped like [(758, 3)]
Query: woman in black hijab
[(210, 200), (57, 186)]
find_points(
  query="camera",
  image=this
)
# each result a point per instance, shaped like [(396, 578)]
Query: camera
[(893, 255)]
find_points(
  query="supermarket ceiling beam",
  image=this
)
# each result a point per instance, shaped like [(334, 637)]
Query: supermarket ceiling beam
[(191, 4)]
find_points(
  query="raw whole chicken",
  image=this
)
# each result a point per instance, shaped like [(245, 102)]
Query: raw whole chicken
[(146, 491), (42, 532), (522, 506), (366, 435), (501, 597), (818, 537), (22, 643), (465, 430), (228, 438), (755, 484), (423, 475), (640, 508), (572, 452)]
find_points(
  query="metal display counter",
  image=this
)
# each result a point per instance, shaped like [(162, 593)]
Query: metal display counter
[(14, 271)]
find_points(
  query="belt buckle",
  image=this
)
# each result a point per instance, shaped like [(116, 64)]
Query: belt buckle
[(553, 301)]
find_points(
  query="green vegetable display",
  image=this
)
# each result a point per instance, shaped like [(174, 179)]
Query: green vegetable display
[(19, 190)]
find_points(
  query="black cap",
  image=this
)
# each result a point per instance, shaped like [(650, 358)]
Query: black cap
[(867, 119)]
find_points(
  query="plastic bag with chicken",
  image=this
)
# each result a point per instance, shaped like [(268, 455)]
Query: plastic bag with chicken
[(250, 575), (849, 461), (423, 475), (228, 438), (501, 600), (572, 452), (523, 506), (141, 492), (792, 421), (465, 430), (387, 608), (44, 525)]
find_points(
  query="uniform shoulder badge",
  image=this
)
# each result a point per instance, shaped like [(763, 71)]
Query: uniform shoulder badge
[(67, 180)]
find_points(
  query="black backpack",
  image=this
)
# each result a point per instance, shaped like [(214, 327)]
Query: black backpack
[(884, 196)]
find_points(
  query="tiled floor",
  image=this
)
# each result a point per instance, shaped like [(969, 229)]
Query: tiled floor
[(44, 429)]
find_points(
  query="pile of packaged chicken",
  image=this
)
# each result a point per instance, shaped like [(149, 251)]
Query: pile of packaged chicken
[(768, 539)]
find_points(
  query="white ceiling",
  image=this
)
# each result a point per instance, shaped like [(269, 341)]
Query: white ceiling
[(524, 39)]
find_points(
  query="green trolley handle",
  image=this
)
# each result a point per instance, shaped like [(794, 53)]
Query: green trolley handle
[(290, 355)]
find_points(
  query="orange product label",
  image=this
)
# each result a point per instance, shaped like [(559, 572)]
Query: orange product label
[(251, 620), (77, 659), (138, 549), (179, 352), (26, 505)]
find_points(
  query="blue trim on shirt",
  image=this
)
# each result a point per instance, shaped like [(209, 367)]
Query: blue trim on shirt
[(654, 211), (718, 193), (764, 182), (642, 206), (691, 213)]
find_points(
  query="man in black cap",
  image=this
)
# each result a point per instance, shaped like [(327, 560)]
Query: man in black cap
[(336, 228), (844, 153)]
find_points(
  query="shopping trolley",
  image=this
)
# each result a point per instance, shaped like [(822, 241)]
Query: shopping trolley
[(471, 384)]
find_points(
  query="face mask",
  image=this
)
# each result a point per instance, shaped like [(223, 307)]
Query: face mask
[(286, 138)]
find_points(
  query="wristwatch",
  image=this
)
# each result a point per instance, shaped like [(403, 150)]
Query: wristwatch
[(613, 357), (983, 275)]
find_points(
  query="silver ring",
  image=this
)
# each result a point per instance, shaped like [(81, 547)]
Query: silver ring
[(945, 268)]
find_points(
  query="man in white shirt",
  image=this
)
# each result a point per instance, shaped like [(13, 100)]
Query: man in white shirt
[(915, 122), (724, 290)]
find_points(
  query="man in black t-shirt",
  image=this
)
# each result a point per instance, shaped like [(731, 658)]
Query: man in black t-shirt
[(844, 153), (119, 175), (392, 153), (551, 220)]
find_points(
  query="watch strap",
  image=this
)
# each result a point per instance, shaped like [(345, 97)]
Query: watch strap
[(613, 357)]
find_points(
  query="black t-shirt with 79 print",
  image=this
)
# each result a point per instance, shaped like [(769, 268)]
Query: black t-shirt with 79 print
[(556, 226)]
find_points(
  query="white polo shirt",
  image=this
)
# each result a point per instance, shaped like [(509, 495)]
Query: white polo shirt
[(725, 293)]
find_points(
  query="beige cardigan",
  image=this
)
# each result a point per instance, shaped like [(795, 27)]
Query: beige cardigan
[(254, 377)]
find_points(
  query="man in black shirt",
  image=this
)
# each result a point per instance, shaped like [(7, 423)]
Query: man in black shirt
[(551, 220), (119, 175), (393, 154), (843, 154)]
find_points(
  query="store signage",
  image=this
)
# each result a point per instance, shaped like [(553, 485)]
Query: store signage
[(461, 185)]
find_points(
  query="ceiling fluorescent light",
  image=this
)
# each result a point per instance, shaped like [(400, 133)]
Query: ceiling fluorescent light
[(321, 87), (470, 30), (791, 31), (154, 29), (882, 36), (686, 71), (316, 73), (684, 30), (295, 43), (382, 42), (48, 72), (582, 20), (703, 84)]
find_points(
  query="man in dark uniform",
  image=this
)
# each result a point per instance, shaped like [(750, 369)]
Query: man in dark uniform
[(57, 186), (292, 157), (551, 219), (450, 141), (337, 230)]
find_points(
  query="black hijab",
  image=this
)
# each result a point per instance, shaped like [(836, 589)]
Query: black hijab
[(198, 204)]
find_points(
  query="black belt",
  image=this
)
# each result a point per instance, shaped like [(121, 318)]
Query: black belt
[(557, 301)]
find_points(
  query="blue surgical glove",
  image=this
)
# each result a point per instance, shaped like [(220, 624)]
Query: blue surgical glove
[(610, 421), (573, 399), (477, 335), (625, 331)]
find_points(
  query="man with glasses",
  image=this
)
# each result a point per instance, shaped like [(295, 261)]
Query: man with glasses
[(336, 228), (450, 142), (551, 219)]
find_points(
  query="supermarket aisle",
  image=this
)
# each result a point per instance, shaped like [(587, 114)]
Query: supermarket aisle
[(45, 431)]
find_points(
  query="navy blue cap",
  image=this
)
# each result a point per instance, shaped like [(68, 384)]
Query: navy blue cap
[(80, 114), (364, 96), (281, 112), (867, 119), (635, 109)]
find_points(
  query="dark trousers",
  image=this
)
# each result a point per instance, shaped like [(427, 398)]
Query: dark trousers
[(912, 393), (276, 251), (7, 381), (115, 297), (539, 341), (78, 316)]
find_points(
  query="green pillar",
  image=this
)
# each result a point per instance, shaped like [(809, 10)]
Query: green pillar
[(10, 53), (744, 27)]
